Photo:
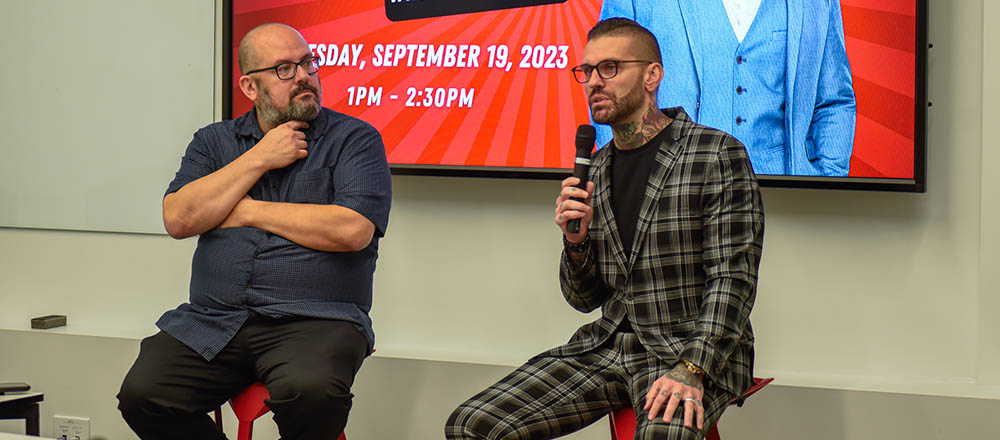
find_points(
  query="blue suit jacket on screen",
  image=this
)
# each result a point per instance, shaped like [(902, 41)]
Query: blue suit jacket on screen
[(820, 105)]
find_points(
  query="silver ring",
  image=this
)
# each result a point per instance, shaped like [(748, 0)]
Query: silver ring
[(691, 399)]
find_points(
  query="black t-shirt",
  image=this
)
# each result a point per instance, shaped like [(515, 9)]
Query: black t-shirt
[(629, 175)]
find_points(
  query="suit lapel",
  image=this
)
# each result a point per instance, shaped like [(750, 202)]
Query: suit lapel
[(602, 204), (666, 157)]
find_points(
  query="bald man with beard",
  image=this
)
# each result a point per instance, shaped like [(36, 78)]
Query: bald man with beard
[(289, 201)]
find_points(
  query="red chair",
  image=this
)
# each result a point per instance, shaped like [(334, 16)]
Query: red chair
[(623, 420), (248, 406)]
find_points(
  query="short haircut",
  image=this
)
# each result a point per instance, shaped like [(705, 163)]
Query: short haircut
[(644, 40)]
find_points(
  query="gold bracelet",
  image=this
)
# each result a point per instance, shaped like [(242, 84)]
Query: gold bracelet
[(694, 369)]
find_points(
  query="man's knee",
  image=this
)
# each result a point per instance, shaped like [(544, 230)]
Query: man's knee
[(473, 420), (306, 390), (309, 406), (457, 425), (137, 394), (657, 430)]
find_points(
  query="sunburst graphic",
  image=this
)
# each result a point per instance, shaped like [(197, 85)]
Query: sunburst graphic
[(519, 117), (881, 40)]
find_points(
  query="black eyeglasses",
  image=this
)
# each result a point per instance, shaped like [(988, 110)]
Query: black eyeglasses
[(289, 70), (606, 69)]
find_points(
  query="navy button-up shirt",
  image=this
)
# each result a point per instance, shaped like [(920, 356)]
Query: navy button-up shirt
[(239, 271)]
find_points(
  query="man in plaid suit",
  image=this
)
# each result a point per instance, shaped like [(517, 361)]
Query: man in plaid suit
[(670, 241)]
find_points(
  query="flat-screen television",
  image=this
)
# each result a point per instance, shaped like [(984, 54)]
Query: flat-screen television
[(823, 93)]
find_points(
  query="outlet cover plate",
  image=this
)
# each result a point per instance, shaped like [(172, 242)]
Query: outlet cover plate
[(71, 428)]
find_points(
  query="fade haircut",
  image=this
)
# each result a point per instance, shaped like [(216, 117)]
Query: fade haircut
[(642, 38)]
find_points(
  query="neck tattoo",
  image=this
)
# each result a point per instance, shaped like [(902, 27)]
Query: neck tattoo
[(634, 134)]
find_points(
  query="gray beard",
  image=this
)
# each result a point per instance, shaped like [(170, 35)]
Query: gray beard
[(297, 111)]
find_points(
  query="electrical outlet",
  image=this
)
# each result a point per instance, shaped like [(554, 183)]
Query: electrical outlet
[(71, 428)]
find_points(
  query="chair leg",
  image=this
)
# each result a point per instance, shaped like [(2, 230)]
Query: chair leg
[(218, 419), (713, 433), (246, 431)]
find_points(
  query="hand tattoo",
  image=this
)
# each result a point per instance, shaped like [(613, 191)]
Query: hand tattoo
[(681, 374)]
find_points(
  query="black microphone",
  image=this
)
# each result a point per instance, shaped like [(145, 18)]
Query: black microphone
[(585, 137)]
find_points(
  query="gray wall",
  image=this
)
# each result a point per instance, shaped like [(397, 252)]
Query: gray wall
[(876, 311)]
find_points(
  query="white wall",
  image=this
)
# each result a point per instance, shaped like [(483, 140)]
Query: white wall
[(92, 86), (989, 258), (859, 292)]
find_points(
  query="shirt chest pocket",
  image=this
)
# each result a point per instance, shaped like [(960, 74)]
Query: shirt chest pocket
[(313, 186)]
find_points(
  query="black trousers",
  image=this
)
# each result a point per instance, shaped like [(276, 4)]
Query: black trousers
[(308, 365)]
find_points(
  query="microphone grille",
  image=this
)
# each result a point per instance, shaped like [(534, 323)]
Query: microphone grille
[(585, 137)]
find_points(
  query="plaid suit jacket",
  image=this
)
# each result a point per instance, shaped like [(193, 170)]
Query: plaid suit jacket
[(690, 281)]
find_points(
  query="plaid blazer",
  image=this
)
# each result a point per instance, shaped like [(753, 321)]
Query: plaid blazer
[(689, 283)]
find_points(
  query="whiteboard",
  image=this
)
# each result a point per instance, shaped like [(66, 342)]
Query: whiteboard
[(100, 99)]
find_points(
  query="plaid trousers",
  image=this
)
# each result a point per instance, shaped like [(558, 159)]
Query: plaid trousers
[(551, 396)]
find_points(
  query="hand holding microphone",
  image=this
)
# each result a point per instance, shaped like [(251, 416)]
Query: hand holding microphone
[(573, 207)]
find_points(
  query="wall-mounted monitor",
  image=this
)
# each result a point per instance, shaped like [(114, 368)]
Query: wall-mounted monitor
[(823, 93)]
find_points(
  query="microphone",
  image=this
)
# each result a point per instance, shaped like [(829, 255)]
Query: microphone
[(585, 137)]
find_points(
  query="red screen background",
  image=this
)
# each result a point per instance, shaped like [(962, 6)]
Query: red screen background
[(527, 117)]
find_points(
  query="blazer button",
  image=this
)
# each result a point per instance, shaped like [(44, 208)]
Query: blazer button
[(739, 90), (739, 120), (739, 59)]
